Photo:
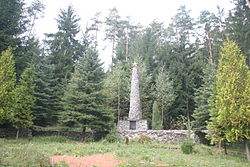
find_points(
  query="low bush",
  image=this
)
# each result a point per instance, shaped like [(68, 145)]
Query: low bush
[(187, 147), (112, 137)]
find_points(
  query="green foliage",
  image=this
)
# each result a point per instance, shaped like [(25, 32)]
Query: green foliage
[(112, 137), (203, 99), (187, 147), (23, 156), (183, 64), (10, 19), (83, 100), (237, 27), (63, 51), (135, 154), (212, 28), (16, 24), (164, 93), (156, 118), (7, 84), (63, 45), (231, 116), (24, 100), (116, 89), (45, 88)]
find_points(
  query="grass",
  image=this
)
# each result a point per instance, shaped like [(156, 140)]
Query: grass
[(23, 153)]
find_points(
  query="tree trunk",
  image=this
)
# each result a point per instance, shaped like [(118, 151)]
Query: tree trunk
[(113, 52), (83, 134), (162, 114), (17, 133), (247, 150), (126, 52), (118, 103), (210, 59), (225, 148)]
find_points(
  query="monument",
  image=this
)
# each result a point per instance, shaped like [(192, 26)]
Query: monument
[(134, 121), (135, 127)]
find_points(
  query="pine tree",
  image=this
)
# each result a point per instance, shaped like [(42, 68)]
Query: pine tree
[(203, 99), (7, 84), (156, 118), (84, 102), (212, 32), (24, 100), (113, 26), (237, 27), (231, 116)]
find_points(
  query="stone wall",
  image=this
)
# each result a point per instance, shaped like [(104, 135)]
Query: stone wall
[(163, 136), (11, 132), (40, 131)]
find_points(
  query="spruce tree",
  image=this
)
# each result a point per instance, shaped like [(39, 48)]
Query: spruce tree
[(10, 23), (183, 63), (16, 24), (231, 116), (203, 99), (7, 85), (63, 51), (84, 102), (156, 118), (24, 100), (63, 45), (45, 88)]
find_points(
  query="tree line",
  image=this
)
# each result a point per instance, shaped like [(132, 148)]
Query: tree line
[(184, 74)]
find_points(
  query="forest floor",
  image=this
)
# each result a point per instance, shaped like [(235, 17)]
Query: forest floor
[(56, 151)]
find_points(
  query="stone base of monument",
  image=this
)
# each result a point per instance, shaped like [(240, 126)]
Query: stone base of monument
[(140, 125), (162, 136)]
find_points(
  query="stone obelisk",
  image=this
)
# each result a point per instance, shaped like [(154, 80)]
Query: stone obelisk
[(135, 104), (134, 121)]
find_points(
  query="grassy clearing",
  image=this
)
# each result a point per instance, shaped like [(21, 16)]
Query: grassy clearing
[(25, 153)]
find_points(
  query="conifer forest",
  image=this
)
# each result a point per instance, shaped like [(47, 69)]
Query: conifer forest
[(194, 72)]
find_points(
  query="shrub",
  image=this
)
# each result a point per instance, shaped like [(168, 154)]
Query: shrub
[(144, 139), (187, 147), (89, 139), (112, 137)]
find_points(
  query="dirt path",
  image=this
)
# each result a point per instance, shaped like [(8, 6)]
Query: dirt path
[(100, 160)]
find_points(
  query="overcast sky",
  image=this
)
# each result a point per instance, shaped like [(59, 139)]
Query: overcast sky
[(142, 11)]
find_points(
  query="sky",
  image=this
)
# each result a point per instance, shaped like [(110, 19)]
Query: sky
[(140, 11)]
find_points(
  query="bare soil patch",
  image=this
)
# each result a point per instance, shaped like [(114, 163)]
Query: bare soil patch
[(100, 160)]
